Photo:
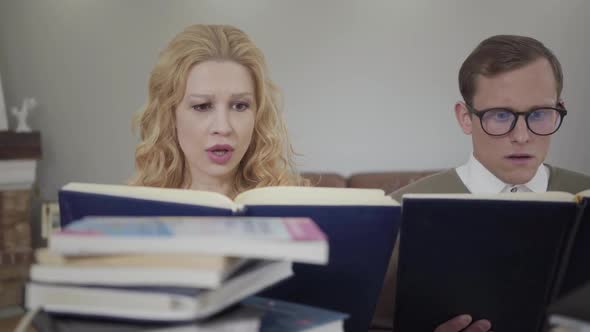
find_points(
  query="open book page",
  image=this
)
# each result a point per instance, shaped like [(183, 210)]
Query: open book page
[(288, 195), (584, 194), (551, 196), (284, 195), (182, 196)]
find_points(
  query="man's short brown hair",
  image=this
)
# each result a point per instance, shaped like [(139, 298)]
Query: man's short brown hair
[(500, 54)]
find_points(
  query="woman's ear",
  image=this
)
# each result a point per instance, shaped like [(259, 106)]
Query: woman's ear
[(463, 117)]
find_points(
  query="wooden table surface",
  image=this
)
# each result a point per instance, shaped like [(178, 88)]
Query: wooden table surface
[(9, 324)]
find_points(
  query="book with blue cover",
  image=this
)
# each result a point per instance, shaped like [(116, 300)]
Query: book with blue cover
[(253, 314), (498, 257), (293, 239), (282, 316), (361, 226)]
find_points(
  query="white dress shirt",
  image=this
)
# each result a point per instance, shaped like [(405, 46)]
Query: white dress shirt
[(479, 180)]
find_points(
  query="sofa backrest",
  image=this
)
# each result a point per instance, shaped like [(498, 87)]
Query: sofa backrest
[(319, 179), (388, 181)]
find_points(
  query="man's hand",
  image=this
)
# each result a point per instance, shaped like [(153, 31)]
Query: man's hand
[(463, 323)]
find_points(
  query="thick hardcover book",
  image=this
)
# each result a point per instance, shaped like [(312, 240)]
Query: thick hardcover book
[(134, 275), (20, 145), (499, 257), (361, 226), (175, 261), (17, 175), (293, 239), (155, 303), (254, 314), (281, 316), (242, 320)]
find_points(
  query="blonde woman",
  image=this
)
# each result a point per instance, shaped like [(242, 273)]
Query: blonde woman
[(213, 117)]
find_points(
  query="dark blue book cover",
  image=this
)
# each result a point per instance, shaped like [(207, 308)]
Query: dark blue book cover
[(493, 259), (361, 241), (273, 315), (281, 316), (75, 205)]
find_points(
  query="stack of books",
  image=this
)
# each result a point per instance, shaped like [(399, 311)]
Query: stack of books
[(18, 161), (170, 269), (361, 225)]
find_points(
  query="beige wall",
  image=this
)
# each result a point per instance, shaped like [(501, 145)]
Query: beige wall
[(369, 85)]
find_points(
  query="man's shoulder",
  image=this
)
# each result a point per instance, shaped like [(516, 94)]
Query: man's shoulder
[(561, 179), (447, 181)]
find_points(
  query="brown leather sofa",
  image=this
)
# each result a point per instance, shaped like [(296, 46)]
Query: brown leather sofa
[(388, 181)]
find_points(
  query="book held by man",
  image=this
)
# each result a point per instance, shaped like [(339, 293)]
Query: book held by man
[(500, 257)]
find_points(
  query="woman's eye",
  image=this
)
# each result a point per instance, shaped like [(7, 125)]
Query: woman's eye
[(202, 107), (241, 106)]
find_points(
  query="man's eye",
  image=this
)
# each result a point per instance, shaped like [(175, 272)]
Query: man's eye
[(241, 106), (540, 114), (202, 107), (502, 115)]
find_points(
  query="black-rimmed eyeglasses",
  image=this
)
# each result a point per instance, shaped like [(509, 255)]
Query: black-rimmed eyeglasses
[(542, 121)]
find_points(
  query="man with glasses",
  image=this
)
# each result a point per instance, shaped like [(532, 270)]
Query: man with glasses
[(511, 88)]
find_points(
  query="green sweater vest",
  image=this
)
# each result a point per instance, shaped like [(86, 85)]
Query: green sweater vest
[(449, 182)]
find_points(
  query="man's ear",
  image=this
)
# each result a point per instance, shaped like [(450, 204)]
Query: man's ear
[(463, 117)]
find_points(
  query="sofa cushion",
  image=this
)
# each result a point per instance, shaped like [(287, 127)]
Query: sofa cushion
[(388, 181), (319, 179)]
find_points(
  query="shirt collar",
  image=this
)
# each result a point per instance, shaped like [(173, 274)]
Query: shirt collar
[(479, 180)]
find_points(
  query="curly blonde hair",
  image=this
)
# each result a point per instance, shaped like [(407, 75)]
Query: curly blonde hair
[(159, 160)]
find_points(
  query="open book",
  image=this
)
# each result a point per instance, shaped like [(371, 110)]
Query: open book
[(361, 226), (500, 257), (77, 200)]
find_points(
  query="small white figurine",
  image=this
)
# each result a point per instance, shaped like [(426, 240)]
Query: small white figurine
[(22, 113)]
